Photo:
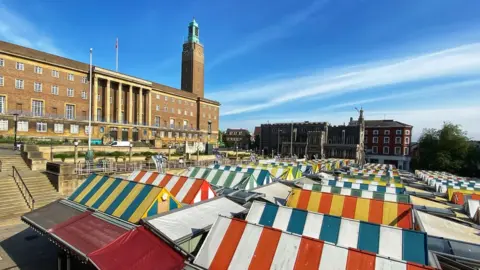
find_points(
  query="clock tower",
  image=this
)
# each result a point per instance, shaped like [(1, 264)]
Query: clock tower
[(193, 62)]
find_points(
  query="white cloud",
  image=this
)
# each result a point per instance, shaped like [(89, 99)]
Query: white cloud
[(19, 30), (457, 61), (278, 30), (419, 118)]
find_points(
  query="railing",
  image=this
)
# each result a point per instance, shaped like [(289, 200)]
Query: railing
[(23, 188), (112, 167)]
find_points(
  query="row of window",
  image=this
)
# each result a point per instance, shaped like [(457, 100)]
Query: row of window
[(39, 70), (22, 126), (157, 123), (170, 134), (38, 87), (386, 150), (398, 140), (387, 132), (38, 107)]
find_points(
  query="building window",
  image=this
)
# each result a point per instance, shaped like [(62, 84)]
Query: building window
[(366, 131), (191, 104), (185, 124), (19, 83), (185, 113), (405, 151), (166, 98), (172, 110), (398, 140), (41, 127), (70, 111), (179, 111), (191, 113), (99, 97), (407, 140), (58, 128), (2, 62), (111, 100), (375, 140), (172, 99), (37, 108), (3, 104), (84, 80), (385, 150), (22, 126), (74, 129), (84, 94), (386, 132), (407, 132), (162, 134), (20, 66), (55, 90), (70, 77), (398, 150), (4, 125), (157, 121), (1, 80), (158, 96), (37, 87), (157, 107), (55, 73), (99, 115), (165, 109), (398, 132), (365, 139), (172, 123), (375, 132), (386, 140), (38, 70), (70, 92)]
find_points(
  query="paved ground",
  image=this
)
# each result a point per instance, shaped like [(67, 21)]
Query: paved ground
[(23, 248)]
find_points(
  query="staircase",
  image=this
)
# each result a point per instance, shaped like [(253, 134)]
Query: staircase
[(12, 203)]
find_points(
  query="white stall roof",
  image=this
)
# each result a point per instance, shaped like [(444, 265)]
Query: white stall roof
[(276, 192), (442, 227), (187, 222)]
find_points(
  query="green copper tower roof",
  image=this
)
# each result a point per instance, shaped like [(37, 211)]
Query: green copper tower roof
[(193, 32)]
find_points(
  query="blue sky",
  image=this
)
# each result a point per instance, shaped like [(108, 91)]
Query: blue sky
[(416, 61)]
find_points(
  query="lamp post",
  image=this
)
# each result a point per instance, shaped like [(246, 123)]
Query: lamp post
[(130, 152), (169, 147), (51, 149), (89, 154), (236, 152), (15, 115), (75, 157)]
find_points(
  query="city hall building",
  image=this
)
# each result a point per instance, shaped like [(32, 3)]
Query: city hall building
[(48, 96)]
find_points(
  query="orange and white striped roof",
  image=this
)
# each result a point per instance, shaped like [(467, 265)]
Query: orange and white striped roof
[(184, 189)]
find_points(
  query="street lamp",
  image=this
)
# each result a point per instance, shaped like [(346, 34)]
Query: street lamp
[(89, 154), (130, 152), (15, 115), (75, 143)]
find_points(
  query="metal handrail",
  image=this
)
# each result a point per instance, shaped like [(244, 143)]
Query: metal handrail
[(23, 188)]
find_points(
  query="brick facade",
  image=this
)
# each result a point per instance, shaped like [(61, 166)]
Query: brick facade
[(121, 104)]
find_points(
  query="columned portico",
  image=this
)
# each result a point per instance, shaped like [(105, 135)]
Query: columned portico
[(107, 102), (130, 102), (140, 106), (119, 103)]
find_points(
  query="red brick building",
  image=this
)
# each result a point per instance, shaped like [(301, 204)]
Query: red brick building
[(50, 96), (388, 142)]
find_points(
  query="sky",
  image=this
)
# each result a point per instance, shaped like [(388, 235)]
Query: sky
[(414, 61)]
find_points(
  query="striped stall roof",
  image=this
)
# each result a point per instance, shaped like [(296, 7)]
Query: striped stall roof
[(237, 244), (397, 243), (279, 172), (262, 176), (124, 199), (464, 191), (222, 178), (184, 189), (363, 193), (362, 186), (460, 198), (371, 210), (369, 182)]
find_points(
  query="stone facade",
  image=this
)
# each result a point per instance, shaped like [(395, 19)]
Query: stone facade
[(50, 94)]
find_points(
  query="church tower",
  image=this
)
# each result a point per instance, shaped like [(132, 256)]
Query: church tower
[(193, 62)]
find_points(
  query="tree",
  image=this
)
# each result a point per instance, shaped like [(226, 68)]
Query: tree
[(448, 149)]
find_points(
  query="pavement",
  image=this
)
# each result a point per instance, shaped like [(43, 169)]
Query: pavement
[(23, 248)]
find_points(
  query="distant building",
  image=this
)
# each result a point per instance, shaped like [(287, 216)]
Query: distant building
[(388, 142), (315, 138), (237, 137)]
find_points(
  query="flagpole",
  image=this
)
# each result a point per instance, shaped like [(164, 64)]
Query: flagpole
[(116, 56), (291, 141), (90, 106)]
